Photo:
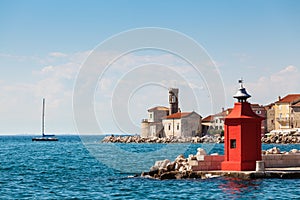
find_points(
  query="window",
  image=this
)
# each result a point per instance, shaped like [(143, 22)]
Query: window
[(169, 127), (233, 143), (177, 126), (173, 99), (220, 127), (150, 116), (258, 112)]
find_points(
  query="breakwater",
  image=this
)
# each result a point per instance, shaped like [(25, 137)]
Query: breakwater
[(281, 137), (276, 138), (138, 139), (191, 167)]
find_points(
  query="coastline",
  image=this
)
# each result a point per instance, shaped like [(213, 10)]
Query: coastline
[(274, 164), (271, 139)]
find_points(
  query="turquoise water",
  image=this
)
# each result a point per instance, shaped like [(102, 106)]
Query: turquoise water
[(67, 170)]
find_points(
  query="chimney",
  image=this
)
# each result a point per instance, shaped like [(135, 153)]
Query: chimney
[(279, 98)]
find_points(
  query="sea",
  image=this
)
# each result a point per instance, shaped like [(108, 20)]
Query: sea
[(79, 167)]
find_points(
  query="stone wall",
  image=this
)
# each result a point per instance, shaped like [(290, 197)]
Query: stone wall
[(207, 163), (281, 160)]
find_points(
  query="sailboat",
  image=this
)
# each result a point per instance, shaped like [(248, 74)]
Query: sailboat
[(44, 136)]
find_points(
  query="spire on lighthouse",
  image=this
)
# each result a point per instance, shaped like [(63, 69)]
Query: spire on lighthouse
[(241, 94)]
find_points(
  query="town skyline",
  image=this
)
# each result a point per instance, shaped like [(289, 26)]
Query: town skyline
[(44, 44)]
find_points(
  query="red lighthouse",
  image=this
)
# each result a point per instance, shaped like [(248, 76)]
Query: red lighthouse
[(242, 135)]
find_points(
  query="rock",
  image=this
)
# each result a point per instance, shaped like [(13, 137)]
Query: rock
[(180, 158), (169, 175), (273, 150), (161, 164), (201, 151), (176, 166), (294, 151), (154, 172), (153, 168), (171, 166)]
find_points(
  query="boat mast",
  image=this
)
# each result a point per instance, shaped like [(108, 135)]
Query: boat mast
[(43, 118)]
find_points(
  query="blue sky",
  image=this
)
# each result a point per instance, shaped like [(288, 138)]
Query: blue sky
[(44, 43)]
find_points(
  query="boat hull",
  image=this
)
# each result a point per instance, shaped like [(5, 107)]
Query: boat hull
[(41, 139)]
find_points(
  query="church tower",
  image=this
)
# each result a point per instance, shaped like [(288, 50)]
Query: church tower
[(173, 100)]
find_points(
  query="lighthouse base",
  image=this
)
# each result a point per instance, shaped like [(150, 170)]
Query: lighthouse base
[(238, 166)]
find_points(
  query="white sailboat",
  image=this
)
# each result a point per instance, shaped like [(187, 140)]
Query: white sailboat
[(44, 136)]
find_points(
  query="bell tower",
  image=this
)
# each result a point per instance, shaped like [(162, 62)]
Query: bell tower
[(173, 100), (242, 135)]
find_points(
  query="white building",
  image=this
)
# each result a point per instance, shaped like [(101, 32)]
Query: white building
[(182, 124), (152, 127)]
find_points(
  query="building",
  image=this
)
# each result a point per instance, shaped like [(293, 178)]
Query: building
[(270, 118), (218, 120), (214, 124), (173, 100), (296, 115), (207, 124), (261, 111), (285, 112), (169, 122), (185, 124), (152, 127)]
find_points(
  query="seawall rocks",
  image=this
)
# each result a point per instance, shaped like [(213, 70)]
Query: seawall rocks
[(138, 139), (282, 138)]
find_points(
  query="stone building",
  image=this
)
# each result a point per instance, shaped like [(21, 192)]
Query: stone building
[(152, 127), (214, 124), (270, 119), (207, 124), (296, 115), (169, 122), (286, 112), (218, 120), (185, 124), (261, 111)]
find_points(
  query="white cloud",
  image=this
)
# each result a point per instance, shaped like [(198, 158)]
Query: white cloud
[(55, 81), (58, 54), (20, 101), (267, 88)]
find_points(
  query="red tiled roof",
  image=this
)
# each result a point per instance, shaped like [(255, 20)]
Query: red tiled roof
[(178, 115), (225, 112), (289, 98), (208, 119)]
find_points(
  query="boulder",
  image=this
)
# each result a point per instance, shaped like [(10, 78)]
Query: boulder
[(201, 151), (294, 151), (169, 175), (171, 166)]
